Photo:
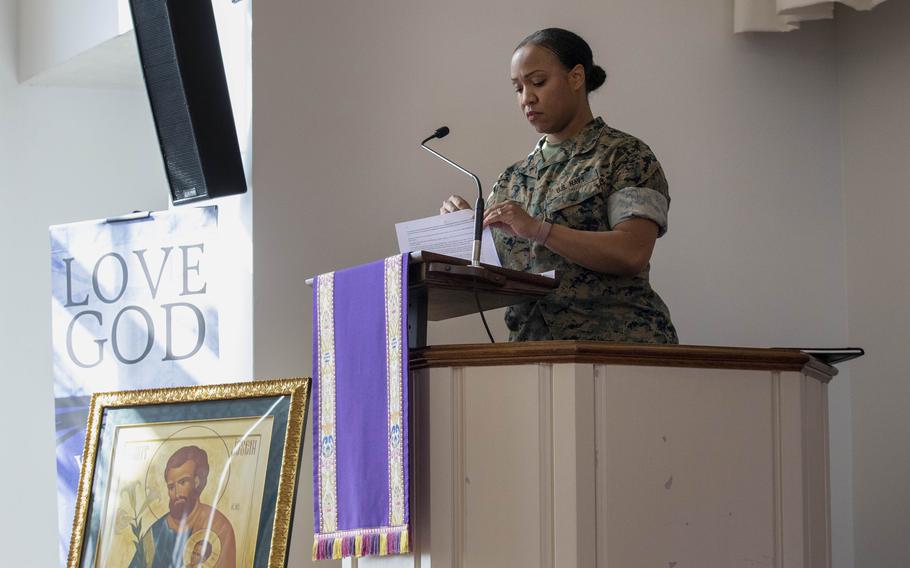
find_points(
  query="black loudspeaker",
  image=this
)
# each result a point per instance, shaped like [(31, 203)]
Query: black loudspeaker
[(184, 75)]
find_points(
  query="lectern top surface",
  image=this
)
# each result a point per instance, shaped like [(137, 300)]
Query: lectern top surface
[(609, 353)]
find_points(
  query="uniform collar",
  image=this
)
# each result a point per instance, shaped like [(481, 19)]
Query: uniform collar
[(581, 143)]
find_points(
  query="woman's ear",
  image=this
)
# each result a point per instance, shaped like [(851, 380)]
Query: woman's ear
[(577, 77)]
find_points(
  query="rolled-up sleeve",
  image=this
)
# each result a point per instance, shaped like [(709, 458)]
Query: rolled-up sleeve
[(640, 202), (637, 187)]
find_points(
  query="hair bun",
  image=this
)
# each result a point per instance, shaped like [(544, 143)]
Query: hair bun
[(597, 78)]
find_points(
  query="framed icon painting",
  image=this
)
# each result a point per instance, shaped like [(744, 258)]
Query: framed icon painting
[(200, 477)]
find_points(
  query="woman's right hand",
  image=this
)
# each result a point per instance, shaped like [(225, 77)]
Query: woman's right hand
[(453, 203)]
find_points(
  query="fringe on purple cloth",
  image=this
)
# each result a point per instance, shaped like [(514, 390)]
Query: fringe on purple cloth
[(371, 542)]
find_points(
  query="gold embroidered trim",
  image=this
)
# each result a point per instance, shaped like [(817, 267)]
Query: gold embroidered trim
[(394, 346), (328, 493)]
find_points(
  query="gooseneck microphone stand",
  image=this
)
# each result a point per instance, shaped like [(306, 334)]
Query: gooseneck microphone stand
[(475, 269), (442, 132)]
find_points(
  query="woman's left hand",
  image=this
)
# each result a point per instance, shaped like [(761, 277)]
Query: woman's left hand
[(510, 217)]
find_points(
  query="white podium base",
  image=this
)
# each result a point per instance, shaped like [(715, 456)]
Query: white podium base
[(617, 466)]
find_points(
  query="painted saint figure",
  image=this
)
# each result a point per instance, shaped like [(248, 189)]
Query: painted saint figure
[(191, 534)]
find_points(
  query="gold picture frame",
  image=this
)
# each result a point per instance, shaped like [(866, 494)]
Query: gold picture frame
[(207, 474)]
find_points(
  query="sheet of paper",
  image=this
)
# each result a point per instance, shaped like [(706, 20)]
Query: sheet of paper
[(451, 234)]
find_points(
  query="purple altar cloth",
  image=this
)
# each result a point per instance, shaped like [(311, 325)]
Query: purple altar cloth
[(360, 406)]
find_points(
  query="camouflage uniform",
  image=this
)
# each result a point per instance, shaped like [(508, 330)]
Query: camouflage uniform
[(595, 180)]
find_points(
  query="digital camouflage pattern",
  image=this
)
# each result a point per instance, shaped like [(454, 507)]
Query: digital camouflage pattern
[(596, 179)]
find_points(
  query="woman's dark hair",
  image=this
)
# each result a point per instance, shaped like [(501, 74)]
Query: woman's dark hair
[(571, 50)]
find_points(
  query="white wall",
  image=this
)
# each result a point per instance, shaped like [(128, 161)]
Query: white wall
[(66, 155), (874, 53), (54, 31), (746, 127)]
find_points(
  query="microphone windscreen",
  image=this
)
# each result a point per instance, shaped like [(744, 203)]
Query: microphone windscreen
[(442, 132)]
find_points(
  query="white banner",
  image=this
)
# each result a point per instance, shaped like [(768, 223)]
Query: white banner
[(155, 302)]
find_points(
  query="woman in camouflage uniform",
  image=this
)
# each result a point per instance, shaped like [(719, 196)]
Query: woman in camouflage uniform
[(590, 201)]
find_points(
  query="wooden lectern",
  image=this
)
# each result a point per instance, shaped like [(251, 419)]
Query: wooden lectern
[(443, 287), (590, 454)]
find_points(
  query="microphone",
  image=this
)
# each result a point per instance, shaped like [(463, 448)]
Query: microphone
[(442, 132)]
